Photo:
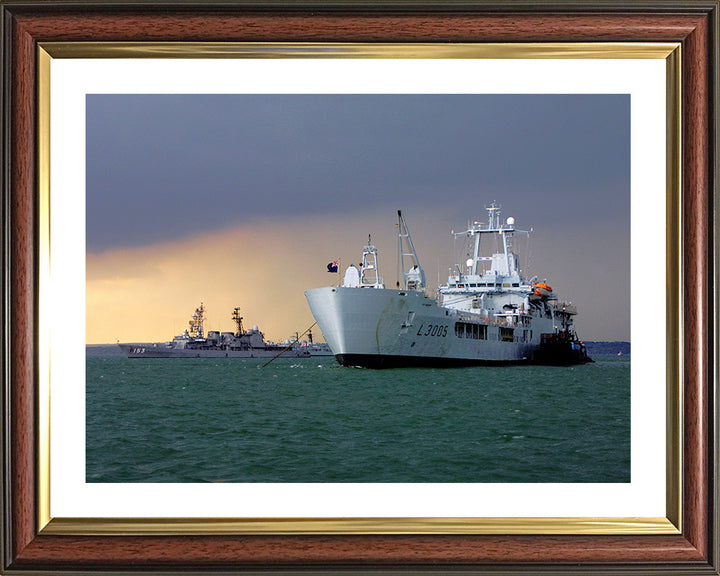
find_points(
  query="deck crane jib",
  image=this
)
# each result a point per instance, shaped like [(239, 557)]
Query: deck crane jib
[(413, 273)]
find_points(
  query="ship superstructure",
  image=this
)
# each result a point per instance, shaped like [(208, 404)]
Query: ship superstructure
[(486, 313)]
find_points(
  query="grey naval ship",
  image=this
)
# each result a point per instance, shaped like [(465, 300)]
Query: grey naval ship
[(487, 313), (194, 343)]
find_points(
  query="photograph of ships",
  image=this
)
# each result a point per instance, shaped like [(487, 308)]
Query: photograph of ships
[(358, 288)]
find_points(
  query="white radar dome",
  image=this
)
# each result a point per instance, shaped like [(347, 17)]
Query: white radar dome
[(469, 262), (511, 221)]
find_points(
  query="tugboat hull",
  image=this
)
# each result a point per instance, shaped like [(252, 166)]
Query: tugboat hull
[(560, 350)]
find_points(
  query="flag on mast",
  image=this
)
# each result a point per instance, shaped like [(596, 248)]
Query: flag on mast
[(333, 266)]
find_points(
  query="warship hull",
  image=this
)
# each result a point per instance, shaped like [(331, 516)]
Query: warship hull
[(194, 343), (163, 350)]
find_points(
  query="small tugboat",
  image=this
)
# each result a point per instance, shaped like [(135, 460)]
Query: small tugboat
[(560, 349), (193, 343), (314, 348), (487, 313)]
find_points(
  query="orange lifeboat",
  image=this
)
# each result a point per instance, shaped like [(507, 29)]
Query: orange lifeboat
[(542, 290)]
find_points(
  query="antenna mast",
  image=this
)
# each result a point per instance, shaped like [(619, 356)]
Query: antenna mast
[(196, 322), (238, 321)]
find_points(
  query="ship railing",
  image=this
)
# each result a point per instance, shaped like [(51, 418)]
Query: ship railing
[(473, 317), (565, 307), (504, 320), (481, 318)]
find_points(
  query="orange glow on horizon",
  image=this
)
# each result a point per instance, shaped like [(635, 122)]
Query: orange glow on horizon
[(147, 294)]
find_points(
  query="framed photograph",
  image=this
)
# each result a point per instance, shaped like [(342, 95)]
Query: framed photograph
[(128, 128)]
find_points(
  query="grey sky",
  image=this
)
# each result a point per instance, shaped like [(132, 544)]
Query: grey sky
[(164, 167)]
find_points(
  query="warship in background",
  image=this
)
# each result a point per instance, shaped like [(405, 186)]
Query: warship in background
[(487, 313), (194, 343)]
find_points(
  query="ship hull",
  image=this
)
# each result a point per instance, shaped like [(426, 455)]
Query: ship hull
[(154, 350), (383, 328), (380, 361)]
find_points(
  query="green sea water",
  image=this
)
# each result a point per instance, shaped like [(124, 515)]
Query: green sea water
[(310, 420)]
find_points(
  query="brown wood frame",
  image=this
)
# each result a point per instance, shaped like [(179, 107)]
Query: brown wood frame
[(692, 23)]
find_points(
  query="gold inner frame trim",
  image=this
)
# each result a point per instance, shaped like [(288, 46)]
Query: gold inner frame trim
[(674, 310), (43, 334), (436, 525), (608, 50), (288, 526)]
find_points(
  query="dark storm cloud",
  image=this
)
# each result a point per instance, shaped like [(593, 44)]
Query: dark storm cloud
[(160, 167)]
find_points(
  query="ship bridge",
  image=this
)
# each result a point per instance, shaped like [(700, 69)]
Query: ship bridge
[(498, 271), (484, 283)]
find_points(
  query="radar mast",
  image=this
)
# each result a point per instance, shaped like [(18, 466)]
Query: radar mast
[(238, 321), (196, 322)]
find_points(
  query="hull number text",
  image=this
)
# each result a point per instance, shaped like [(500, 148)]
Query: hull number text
[(432, 330)]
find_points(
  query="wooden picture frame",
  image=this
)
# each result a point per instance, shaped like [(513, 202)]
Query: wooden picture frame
[(29, 548)]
